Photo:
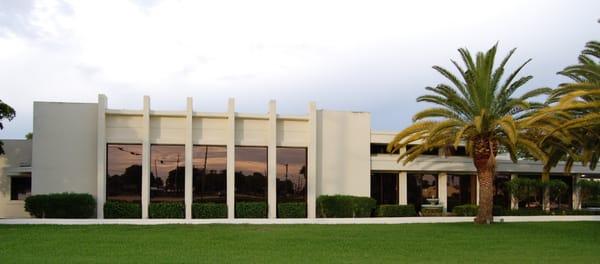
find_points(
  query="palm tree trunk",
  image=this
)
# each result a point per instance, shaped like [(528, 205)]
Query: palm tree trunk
[(546, 194), (484, 159)]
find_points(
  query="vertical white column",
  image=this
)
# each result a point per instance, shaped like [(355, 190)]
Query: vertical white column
[(514, 202), (272, 161), (402, 188), (146, 157), (231, 158), (443, 189), (477, 189), (188, 158), (576, 196), (311, 185), (101, 156)]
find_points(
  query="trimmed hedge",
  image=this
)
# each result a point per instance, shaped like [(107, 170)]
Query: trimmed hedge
[(122, 209), (498, 210), (166, 210), (340, 206), (432, 211), (61, 205), (251, 210), (291, 210), (209, 210), (465, 210), (394, 210), (533, 212)]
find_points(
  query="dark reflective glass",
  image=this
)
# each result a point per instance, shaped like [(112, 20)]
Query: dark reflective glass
[(535, 197), (384, 187), (291, 175), (563, 201), (378, 148), (167, 175), (501, 194), (250, 174), (20, 188), (210, 174), (124, 172), (421, 187), (461, 190)]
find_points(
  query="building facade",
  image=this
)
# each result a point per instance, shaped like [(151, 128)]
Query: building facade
[(148, 156)]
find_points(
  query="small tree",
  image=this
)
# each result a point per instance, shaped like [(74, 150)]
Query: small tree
[(8, 113), (556, 189)]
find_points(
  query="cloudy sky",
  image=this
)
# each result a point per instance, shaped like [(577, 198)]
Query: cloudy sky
[(373, 56)]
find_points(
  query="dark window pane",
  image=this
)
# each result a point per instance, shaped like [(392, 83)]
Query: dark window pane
[(433, 151), (421, 187), (250, 174), (535, 198), (291, 175), (384, 188), (124, 172), (210, 174), (378, 148), (20, 188), (461, 190), (563, 201), (167, 177), (501, 194)]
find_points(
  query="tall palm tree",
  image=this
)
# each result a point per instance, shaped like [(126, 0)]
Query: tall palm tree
[(479, 108), (569, 128)]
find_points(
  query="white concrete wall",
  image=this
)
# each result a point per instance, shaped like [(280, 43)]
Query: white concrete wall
[(64, 147), (16, 162), (343, 160)]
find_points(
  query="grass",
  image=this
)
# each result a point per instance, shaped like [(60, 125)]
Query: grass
[(575, 242)]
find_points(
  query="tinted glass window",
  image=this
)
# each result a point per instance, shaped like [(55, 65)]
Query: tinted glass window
[(210, 174), (250, 174), (124, 172), (433, 151), (461, 190), (501, 194), (291, 174), (20, 188), (421, 187), (384, 188), (167, 176), (378, 148)]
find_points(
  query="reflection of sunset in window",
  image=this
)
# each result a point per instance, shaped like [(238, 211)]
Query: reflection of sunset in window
[(291, 174), (250, 174), (124, 172), (210, 174), (167, 174)]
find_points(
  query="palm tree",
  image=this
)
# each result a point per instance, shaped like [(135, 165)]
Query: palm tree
[(569, 128), (479, 109), (8, 113)]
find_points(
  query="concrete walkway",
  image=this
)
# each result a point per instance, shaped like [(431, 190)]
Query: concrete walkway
[(322, 221)]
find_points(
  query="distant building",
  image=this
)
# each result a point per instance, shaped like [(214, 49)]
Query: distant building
[(148, 156)]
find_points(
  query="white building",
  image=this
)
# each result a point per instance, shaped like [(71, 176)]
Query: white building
[(189, 156)]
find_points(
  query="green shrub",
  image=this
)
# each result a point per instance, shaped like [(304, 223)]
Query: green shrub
[(291, 210), (209, 210), (498, 210), (61, 205), (432, 211), (251, 210), (465, 210), (394, 210), (339, 206), (526, 212), (166, 210), (122, 209)]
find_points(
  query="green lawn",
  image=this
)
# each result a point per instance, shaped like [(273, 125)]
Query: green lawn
[(577, 242)]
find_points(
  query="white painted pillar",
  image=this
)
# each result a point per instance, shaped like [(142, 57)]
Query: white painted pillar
[(514, 202), (231, 158), (146, 157), (311, 185), (402, 188), (272, 161), (477, 189), (576, 195), (101, 157), (188, 159), (443, 189)]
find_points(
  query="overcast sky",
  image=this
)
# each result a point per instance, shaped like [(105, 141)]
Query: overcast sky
[(373, 56)]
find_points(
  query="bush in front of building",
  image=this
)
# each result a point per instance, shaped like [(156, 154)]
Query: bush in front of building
[(209, 210), (395, 210), (465, 210), (344, 206), (250, 209), (498, 210), (166, 210), (291, 210), (122, 209), (433, 211), (61, 205)]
